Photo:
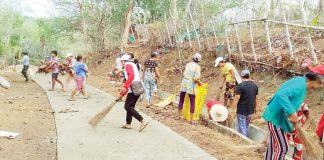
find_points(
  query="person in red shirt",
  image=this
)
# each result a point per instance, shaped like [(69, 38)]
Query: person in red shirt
[(131, 75), (303, 115), (320, 130)]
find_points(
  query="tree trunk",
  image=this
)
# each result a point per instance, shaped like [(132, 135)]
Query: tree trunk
[(321, 6), (127, 25), (187, 8), (174, 10)]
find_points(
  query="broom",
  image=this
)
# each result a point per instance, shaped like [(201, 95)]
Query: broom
[(312, 148), (101, 115)]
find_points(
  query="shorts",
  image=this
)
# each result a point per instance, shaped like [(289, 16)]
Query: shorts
[(55, 75), (79, 83)]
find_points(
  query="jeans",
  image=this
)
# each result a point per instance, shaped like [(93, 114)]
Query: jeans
[(243, 122), (130, 103)]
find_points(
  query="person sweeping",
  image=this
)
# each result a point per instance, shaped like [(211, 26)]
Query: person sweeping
[(303, 115), (80, 70), (54, 65), (191, 78), (320, 131), (131, 76), (281, 112)]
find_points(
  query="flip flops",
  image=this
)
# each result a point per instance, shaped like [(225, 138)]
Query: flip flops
[(143, 126), (124, 127)]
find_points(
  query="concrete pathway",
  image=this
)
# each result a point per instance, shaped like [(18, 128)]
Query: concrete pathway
[(76, 140)]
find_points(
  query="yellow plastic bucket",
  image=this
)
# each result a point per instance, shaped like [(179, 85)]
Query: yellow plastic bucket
[(199, 102)]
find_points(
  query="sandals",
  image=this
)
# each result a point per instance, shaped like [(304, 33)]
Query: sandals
[(71, 99), (143, 126), (125, 127)]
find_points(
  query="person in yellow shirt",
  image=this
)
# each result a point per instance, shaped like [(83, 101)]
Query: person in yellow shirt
[(231, 77)]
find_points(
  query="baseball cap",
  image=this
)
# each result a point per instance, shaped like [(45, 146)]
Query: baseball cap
[(219, 59), (125, 57), (245, 72), (319, 69)]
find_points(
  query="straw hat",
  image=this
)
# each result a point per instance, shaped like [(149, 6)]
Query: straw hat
[(218, 112), (218, 60)]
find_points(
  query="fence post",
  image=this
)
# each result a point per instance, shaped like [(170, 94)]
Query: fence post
[(214, 32), (228, 46), (266, 24), (205, 31), (252, 42), (188, 32), (308, 36), (192, 21), (238, 41), (291, 52), (167, 28)]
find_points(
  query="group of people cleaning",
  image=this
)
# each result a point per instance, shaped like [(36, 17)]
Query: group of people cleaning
[(283, 112), (75, 68)]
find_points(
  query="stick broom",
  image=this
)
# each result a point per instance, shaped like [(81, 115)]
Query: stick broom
[(101, 115), (312, 148)]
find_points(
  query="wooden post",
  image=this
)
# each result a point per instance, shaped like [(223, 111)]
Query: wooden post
[(291, 52), (167, 28), (308, 36), (192, 21), (252, 42), (214, 32), (266, 24), (238, 41), (176, 31), (205, 31), (188, 32), (228, 46)]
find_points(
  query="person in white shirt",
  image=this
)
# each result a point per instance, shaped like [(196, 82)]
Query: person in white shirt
[(25, 63)]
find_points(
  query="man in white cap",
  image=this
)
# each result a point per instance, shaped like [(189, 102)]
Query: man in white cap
[(191, 77), (246, 102), (231, 76), (131, 75)]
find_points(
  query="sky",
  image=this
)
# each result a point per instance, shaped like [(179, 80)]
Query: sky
[(37, 8)]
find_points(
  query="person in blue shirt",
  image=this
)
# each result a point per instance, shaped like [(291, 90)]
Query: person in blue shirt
[(25, 63), (80, 71), (281, 112)]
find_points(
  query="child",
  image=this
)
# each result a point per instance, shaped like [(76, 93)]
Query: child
[(80, 70), (55, 70)]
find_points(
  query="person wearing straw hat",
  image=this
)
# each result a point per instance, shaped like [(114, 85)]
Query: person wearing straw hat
[(218, 113), (191, 77), (246, 102), (281, 112), (131, 75), (231, 78)]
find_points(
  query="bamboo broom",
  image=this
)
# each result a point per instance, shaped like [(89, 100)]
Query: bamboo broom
[(101, 115), (312, 148)]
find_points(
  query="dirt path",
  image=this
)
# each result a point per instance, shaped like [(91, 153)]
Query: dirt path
[(219, 145), (25, 109)]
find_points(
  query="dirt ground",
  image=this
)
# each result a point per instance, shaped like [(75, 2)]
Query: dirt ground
[(25, 110), (219, 145)]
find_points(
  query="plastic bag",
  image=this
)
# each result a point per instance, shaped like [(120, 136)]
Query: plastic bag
[(4, 83)]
